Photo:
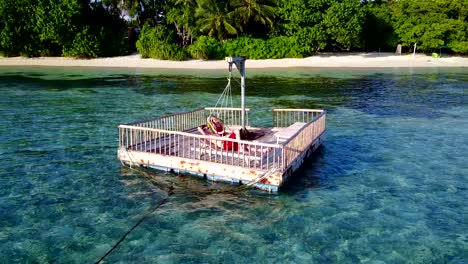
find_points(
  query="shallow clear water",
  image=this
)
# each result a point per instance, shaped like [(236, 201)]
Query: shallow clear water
[(389, 185)]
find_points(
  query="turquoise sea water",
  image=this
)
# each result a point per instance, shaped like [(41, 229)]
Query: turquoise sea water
[(389, 185)]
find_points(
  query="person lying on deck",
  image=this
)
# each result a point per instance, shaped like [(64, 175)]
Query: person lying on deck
[(228, 145), (225, 145)]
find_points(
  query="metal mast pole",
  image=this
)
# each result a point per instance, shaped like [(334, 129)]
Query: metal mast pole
[(240, 64)]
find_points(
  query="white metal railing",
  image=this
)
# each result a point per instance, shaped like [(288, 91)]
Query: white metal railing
[(249, 154), (230, 116), (165, 135), (302, 139), (175, 122), (188, 120), (287, 117)]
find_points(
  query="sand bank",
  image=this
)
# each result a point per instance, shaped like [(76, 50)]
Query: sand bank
[(361, 60)]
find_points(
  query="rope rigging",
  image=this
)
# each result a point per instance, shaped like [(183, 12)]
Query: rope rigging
[(225, 99)]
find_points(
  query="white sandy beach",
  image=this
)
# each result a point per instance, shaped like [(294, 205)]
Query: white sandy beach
[(357, 60)]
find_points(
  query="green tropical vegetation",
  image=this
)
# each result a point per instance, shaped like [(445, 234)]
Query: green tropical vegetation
[(212, 29)]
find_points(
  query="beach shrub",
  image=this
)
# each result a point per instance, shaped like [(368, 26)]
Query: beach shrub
[(458, 40), (206, 48), (269, 29), (378, 31), (303, 20), (111, 32), (251, 48), (85, 45), (19, 34), (59, 22), (61, 27), (106, 36), (274, 48), (159, 43), (343, 22), (286, 47), (431, 24)]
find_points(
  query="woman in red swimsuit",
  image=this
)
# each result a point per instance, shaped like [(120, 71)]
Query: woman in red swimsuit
[(226, 145), (215, 127)]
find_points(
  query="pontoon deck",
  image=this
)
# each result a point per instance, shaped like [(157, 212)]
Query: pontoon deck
[(264, 159), (173, 143)]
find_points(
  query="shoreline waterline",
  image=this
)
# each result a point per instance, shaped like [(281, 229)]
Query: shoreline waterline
[(331, 60)]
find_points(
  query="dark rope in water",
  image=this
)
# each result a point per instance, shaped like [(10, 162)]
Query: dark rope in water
[(169, 193), (145, 216)]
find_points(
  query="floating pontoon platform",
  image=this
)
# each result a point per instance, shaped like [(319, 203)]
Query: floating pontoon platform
[(173, 143), (268, 156)]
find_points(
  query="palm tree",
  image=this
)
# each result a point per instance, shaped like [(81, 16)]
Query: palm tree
[(214, 19), (253, 13)]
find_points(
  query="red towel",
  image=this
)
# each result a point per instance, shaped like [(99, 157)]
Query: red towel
[(228, 145)]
